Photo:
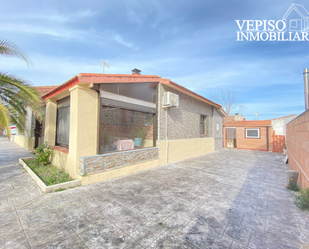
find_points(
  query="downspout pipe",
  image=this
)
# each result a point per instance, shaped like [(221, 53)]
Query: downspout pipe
[(306, 86)]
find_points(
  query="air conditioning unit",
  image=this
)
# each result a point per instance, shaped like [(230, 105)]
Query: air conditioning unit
[(171, 100)]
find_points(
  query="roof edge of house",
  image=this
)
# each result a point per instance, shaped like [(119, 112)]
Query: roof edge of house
[(249, 123), (285, 116), (189, 92), (71, 82), (78, 79)]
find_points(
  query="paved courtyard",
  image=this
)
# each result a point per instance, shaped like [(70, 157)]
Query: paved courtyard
[(226, 199)]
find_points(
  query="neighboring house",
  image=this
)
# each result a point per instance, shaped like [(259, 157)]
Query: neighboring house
[(262, 135), (297, 18), (278, 135), (107, 125), (33, 136)]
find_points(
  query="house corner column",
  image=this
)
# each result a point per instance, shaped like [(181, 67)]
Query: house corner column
[(84, 121), (50, 122)]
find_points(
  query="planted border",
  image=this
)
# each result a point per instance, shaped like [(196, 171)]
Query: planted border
[(42, 185)]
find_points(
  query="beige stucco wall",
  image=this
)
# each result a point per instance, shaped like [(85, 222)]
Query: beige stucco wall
[(84, 116), (186, 148), (50, 121), (83, 126), (59, 159), (24, 141), (147, 143)]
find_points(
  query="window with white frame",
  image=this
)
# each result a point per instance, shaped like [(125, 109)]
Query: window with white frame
[(252, 133)]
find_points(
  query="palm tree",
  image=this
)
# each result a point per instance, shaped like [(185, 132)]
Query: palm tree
[(16, 94)]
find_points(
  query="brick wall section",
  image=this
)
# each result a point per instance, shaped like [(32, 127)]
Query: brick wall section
[(251, 143), (184, 122), (278, 142), (298, 147), (105, 162)]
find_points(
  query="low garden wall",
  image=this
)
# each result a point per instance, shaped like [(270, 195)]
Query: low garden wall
[(105, 162), (41, 184)]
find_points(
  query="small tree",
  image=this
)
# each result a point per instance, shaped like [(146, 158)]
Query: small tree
[(228, 98)]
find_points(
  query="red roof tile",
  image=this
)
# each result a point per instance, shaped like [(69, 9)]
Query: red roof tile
[(44, 89)]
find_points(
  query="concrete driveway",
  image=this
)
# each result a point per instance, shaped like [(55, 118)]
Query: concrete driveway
[(226, 199)]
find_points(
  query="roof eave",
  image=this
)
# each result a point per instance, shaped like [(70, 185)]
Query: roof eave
[(188, 92), (66, 85)]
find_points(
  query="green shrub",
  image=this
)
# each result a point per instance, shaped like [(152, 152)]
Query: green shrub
[(302, 200), (293, 186), (42, 154), (49, 174)]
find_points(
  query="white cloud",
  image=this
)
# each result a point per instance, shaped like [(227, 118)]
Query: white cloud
[(37, 29), (50, 16), (121, 41)]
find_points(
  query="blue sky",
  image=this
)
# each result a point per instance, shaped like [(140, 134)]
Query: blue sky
[(193, 43)]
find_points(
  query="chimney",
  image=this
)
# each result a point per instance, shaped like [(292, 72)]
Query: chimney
[(244, 120), (306, 85), (136, 71)]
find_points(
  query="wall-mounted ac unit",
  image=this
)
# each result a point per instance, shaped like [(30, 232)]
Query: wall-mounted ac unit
[(171, 100)]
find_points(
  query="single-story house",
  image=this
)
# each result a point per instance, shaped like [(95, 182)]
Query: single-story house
[(262, 135), (103, 126)]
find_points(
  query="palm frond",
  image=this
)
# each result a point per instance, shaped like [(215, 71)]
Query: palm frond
[(15, 96), (9, 48), (5, 119), (10, 82)]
